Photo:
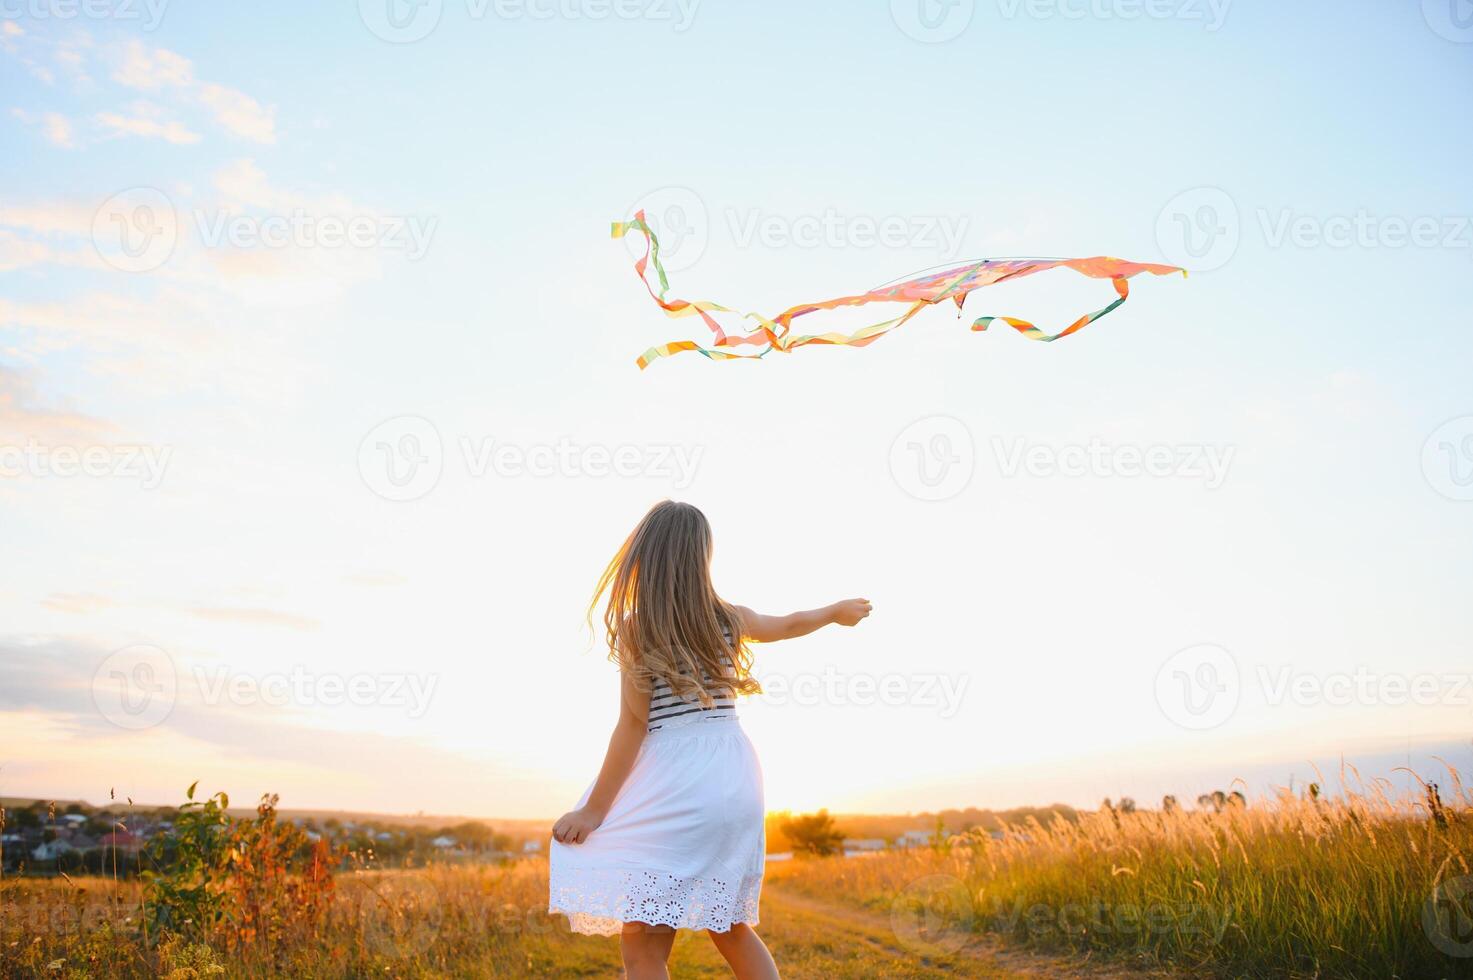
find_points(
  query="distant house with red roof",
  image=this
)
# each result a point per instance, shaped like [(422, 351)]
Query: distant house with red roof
[(121, 839)]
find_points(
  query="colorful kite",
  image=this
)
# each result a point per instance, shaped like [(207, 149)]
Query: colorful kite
[(927, 290)]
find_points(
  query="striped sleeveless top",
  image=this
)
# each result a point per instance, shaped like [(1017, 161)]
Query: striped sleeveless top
[(666, 706)]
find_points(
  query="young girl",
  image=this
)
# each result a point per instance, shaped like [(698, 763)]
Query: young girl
[(670, 836)]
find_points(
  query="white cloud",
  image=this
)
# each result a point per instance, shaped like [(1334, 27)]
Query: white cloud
[(48, 218), (171, 322), (17, 253), (166, 75), (239, 113), (153, 69), (56, 127), (34, 51), (206, 261), (161, 70), (9, 31), (23, 417), (71, 60), (77, 603), (147, 120), (243, 184), (216, 307)]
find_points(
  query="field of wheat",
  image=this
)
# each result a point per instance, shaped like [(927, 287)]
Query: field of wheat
[(1363, 885)]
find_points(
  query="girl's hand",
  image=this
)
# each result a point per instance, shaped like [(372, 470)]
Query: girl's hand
[(575, 826), (851, 611)]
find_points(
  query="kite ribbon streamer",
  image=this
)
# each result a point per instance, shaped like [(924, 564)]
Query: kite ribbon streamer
[(926, 290)]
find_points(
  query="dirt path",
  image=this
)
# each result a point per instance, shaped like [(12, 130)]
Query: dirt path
[(818, 940)]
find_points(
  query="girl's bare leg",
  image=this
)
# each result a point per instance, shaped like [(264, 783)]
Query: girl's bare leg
[(646, 950), (745, 953)]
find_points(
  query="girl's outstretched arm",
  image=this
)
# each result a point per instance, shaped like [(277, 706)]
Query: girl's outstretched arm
[(634, 712), (766, 629)]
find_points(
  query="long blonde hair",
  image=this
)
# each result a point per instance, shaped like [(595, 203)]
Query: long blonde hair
[(663, 618)]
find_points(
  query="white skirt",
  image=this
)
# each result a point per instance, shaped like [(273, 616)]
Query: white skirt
[(684, 843)]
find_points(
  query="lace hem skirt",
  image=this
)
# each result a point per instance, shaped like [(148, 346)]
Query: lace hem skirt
[(683, 844)]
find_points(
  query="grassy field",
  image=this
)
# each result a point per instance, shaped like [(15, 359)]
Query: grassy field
[(1360, 887), (468, 921)]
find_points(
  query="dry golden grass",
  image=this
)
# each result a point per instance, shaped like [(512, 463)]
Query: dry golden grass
[(468, 921), (1365, 886)]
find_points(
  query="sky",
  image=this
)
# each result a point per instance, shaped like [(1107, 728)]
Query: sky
[(319, 413)]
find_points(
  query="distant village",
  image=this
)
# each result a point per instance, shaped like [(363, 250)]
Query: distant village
[(46, 838), (853, 846)]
